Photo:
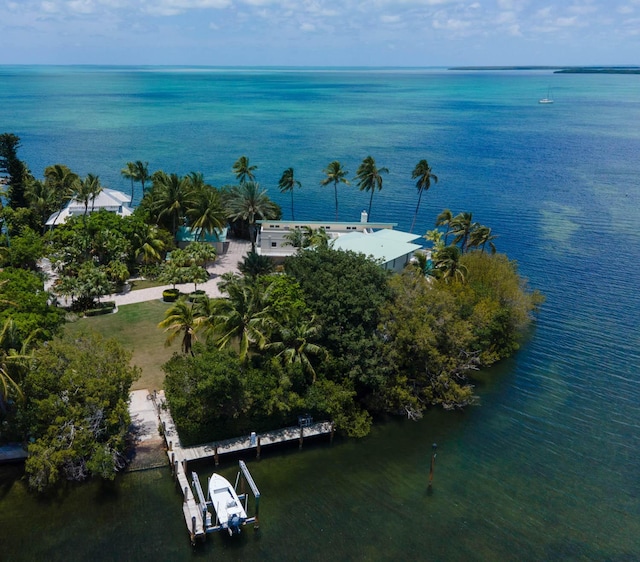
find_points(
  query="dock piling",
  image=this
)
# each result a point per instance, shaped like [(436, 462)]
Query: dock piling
[(301, 435), (258, 449), (215, 455)]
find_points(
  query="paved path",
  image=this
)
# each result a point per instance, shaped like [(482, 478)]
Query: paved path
[(224, 263)]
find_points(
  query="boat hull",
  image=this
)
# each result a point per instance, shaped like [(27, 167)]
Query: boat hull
[(230, 513)]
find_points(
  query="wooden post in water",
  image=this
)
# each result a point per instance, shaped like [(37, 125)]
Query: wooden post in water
[(258, 449), (333, 428), (256, 525), (173, 459), (301, 433), (184, 466), (433, 463), (193, 530), (171, 445), (175, 468), (185, 494), (215, 455)]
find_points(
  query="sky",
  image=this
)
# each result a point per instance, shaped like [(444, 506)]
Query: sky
[(320, 32)]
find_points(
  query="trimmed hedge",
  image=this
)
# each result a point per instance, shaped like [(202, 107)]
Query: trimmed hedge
[(170, 295), (103, 308)]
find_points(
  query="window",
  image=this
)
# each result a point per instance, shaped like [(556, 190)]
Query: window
[(274, 244)]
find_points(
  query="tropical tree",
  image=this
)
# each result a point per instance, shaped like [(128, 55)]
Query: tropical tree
[(131, 173), (87, 190), (142, 173), (243, 170), (446, 264), (10, 360), (369, 178), (253, 265), (287, 184), (206, 211), (41, 198), (181, 318), (293, 343), (335, 174), (240, 318), (249, 202), (423, 173), (63, 182), (480, 237), (148, 244), (444, 219), (172, 198), (462, 226)]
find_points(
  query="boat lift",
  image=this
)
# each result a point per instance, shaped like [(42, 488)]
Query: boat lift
[(206, 505)]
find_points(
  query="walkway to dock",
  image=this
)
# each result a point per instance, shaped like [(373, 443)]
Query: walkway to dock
[(150, 412)]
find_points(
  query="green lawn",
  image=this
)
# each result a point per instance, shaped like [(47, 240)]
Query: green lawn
[(136, 327)]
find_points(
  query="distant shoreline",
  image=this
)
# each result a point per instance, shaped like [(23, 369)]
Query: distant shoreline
[(560, 69)]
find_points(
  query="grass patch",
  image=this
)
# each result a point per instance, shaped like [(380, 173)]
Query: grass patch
[(136, 327), (145, 284)]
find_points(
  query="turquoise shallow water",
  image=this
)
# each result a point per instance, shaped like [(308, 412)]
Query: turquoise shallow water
[(547, 467)]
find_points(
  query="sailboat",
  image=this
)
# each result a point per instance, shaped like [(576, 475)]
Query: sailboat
[(548, 99)]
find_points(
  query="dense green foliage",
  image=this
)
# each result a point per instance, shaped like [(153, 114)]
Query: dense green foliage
[(76, 410)]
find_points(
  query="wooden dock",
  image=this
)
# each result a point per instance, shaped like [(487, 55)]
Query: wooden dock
[(180, 456)]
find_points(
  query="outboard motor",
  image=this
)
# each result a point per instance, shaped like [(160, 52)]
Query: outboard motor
[(234, 524)]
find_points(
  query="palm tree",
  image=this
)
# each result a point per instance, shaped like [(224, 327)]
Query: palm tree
[(180, 319), (481, 236), (41, 198), (250, 203), (63, 181), (423, 173), (335, 174), (243, 170), (286, 184), (130, 172), (447, 263), (172, 198), (14, 353), (87, 190), (444, 219), (370, 178), (142, 174), (149, 244), (461, 226), (254, 265), (294, 343), (206, 211), (241, 318)]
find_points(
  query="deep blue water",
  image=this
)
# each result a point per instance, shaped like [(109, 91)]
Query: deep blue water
[(547, 467)]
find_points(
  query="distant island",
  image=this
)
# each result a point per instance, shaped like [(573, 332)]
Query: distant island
[(561, 69)]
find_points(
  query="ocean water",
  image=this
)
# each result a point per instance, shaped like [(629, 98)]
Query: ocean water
[(547, 467)]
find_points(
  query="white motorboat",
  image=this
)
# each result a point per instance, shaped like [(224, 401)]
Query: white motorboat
[(230, 513)]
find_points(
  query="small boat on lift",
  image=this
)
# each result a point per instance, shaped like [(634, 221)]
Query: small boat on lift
[(230, 513)]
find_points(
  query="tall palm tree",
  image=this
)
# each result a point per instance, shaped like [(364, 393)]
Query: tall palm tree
[(287, 184), (206, 211), (461, 226), (243, 170), (293, 343), (130, 172), (369, 178), (63, 181), (87, 190), (172, 198), (480, 237), (335, 174), (142, 174), (181, 318), (249, 202), (423, 173), (241, 318), (41, 198), (444, 219)]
